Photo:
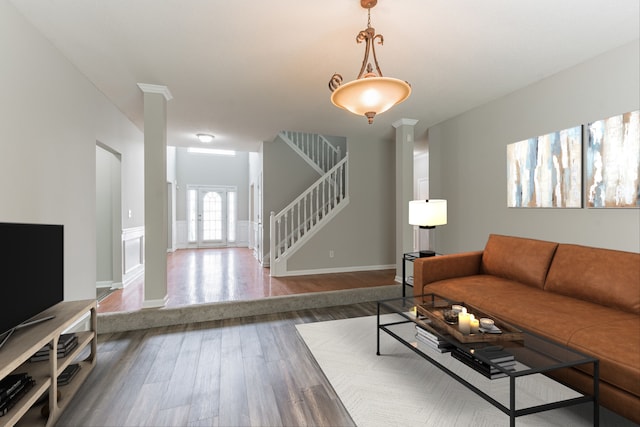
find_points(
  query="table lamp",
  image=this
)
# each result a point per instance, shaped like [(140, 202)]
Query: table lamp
[(427, 214)]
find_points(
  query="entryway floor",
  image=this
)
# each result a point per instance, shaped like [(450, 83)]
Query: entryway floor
[(198, 276)]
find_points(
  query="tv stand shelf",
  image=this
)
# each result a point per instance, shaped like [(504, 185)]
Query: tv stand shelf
[(25, 342)]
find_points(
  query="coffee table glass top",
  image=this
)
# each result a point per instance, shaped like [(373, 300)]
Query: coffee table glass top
[(532, 353)]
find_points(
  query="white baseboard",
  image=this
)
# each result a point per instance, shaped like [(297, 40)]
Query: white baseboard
[(104, 284), (155, 303), (349, 269)]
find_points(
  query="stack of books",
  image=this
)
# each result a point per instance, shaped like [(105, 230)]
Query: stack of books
[(434, 341), (498, 356), (12, 388), (66, 343)]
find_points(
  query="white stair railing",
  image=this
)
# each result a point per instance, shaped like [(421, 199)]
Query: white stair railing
[(302, 217), (314, 148)]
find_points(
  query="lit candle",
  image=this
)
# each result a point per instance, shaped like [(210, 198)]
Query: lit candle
[(463, 321), (474, 324), (414, 310)]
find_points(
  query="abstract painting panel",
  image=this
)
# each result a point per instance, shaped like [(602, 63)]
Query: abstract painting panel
[(613, 162), (546, 172)]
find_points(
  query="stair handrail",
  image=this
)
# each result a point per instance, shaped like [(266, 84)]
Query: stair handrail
[(314, 147), (338, 180)]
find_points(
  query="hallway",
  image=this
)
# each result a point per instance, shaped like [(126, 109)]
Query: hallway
[(197, 276)]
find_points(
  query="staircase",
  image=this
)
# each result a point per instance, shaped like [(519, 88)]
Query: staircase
[(310, 211), (315, 149)]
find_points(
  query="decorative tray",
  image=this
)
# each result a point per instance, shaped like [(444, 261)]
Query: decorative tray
[(434, 313)]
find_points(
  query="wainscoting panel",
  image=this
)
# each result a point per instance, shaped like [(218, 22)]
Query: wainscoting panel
[(132, 254), (242, 233), (181, 234)]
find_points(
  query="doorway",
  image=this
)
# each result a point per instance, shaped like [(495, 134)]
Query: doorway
[(211, 216), (108, 219)]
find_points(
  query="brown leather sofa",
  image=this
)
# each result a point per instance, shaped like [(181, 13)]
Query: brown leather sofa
[(587, 298)]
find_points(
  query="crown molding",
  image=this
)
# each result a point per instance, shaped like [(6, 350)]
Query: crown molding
[(162, 90)]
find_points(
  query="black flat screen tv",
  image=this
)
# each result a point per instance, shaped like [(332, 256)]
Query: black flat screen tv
[(31, 271)]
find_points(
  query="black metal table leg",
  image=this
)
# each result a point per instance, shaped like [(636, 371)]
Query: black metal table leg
[(596, 393), (512, 401), (378, 330)]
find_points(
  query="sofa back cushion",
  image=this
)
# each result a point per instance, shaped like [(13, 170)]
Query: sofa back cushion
[(603, 276), (524, 260)]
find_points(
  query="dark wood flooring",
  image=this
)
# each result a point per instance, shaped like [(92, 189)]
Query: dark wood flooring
[(196, 276), (253, 371), (240, 372)]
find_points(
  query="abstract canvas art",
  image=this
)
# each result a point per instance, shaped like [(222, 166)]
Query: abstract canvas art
[(546, 172), (613, 162)]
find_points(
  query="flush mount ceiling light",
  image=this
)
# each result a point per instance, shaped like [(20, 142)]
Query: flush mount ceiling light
[(370, 93), (205, 137)]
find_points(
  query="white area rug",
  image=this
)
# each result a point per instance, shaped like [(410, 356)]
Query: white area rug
[(399, 388)]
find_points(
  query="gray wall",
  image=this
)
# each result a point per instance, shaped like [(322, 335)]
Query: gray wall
[(363, 234), (206, 169), (51, 118), (468, 157)]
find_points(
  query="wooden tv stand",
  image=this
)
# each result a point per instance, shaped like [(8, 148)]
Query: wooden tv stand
[(25, 342)]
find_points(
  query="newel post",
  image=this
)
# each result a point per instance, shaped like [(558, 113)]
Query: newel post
[(272, 237)]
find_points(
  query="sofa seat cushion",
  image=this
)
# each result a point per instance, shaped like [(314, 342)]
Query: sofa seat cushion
[(524, 260), (563, 319), (616, 343), (603, 276), (541, 312)]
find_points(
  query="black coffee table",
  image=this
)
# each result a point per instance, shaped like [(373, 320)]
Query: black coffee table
[(533, 355)]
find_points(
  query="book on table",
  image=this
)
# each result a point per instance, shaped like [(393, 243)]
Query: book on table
[(12, 388), (66, 344), (485, 368), (494, 353), (432, 340)]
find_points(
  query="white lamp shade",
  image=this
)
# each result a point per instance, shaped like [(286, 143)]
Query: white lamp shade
[(428, 213), (371, 94)]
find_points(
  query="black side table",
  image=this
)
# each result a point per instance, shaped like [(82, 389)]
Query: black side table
[(409, 257)]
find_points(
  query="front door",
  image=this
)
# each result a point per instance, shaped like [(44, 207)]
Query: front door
[(211, 216)]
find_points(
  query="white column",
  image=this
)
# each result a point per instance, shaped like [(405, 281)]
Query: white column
[(404, 188), (155, 194)]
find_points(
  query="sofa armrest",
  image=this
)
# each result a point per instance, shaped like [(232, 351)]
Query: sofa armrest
[(433, 269)]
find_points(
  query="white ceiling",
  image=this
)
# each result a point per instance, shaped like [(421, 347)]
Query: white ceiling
[(245, 69)]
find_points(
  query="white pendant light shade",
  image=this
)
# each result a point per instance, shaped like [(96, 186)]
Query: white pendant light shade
[(371, 95)]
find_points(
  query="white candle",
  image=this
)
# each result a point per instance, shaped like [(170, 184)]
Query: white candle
[(474, 324), (463, 321), (457, 308)]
